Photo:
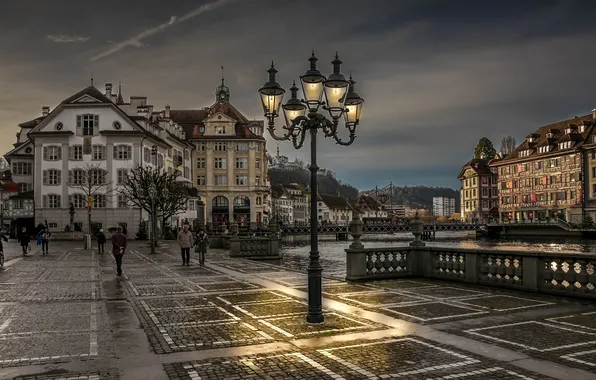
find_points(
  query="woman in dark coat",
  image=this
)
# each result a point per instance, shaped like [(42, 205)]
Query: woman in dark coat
[(24, 239)]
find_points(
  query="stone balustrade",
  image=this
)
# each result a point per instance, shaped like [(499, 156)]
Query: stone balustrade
[(555, 273)]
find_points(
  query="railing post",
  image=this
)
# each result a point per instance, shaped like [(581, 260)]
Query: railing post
[(356, 256), (531, 273), (472, 267)]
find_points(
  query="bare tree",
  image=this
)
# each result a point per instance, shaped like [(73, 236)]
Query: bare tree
[(508, 145), (90, 180), (169, 196)]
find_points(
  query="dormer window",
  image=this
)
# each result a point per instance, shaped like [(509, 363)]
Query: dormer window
[(582, 128), (565, 145), (220, 130), (544, 149), (525, 153), (568, 131), (549, 135), (530, 139)]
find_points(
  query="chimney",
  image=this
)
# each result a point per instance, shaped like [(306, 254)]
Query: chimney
[(167, 114), (109, 91), (45, 111), (594, 114)]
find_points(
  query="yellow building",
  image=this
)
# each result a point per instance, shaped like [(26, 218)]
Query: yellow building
[(479, 197), (230, 169)]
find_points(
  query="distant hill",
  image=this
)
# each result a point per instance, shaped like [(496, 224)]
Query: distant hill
[(420, 196), (327, 182)]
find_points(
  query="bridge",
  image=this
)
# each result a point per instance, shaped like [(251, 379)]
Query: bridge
[(381, 228)]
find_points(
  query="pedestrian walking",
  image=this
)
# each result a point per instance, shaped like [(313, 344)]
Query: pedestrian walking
[(101, 240), (2, 237), (23, 238), (201, 244), (185, 240), (45, 241), (118, 248)]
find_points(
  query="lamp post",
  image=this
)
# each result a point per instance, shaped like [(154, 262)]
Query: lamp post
[(152, 196), (302, 116)]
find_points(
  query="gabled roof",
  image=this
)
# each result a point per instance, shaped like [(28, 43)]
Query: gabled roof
[(20, 147), (480, 166), (32, 123), (334, 202), (366, 202), (558, 135), (90, 91)]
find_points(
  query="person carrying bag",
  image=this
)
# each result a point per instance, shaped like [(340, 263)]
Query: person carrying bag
[(201, 244)]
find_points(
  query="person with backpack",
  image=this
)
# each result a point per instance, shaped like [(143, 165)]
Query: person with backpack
[(118, 248), (101, 240), (45, 241), (185, 240), (201, 244), (24, 239)]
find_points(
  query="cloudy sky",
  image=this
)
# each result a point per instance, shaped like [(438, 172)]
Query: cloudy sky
[(436, 75)]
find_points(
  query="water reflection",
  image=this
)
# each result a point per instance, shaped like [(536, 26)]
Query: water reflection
[(333, 257)]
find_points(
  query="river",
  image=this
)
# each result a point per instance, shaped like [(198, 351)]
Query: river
[(333, 257)]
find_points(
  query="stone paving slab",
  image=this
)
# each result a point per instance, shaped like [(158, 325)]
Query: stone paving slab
[(407, 357), (109, 374)]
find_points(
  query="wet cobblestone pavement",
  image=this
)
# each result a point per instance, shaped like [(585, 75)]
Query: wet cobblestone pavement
[(68, 316)]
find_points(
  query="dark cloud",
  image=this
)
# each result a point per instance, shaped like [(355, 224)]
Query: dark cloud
[(436, 75)]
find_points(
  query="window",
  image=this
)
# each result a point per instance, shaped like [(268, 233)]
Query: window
[(191, 204), (52, 225), (51, 201), (485, 192), (122, 175), (474, 181), (87, 125), (259, 201), (75, 177), (98, 152), (220, 163), (122, 201), (75, 152), (78, 200), (242, 147), (220, 147), (257, 163), (200, 163), (221, 130), (242, 163), (18, 204), (99, 201), (160, 160), (97, 177), (241, 180), (544, 149), (524, 153), (201, 180), (221, 180), (122, 152), (22, 168), (258, 181), (201, 147), (52, 177), (52, 153), (257, 147), (146, 155), (169, 152), (23, 187), (186, 172)]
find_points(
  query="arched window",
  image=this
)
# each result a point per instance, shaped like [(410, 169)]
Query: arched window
[(220, 201), (241, 201), (258, 201)]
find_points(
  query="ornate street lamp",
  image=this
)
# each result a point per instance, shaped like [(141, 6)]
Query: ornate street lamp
[(335, 95)]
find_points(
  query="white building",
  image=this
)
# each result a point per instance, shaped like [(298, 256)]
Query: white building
[(91, 127), (283, 205), (443, 206), (334, 210), (369, 208)]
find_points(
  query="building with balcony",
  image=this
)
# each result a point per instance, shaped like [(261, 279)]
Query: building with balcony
[(230, 167), (543, 178), (479, 194)]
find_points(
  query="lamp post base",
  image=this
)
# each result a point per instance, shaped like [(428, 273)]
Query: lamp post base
[(315, 292)]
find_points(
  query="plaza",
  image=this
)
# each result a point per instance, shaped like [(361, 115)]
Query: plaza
[(68, 316)]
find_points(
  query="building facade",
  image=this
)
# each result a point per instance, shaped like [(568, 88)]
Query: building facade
[(548, 176), (91, 129), (479, 193), (230, 167), (334, 210), (443, 206)]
